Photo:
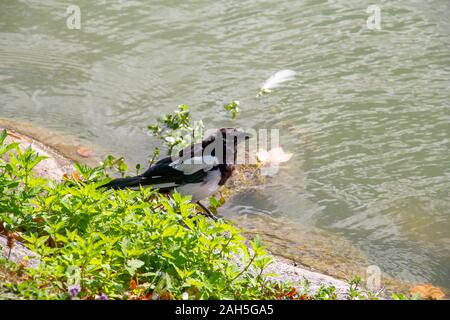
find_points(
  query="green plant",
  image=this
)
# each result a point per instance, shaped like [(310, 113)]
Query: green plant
[(399, 296), (18, 186), (354, 292), (232, 108), (122, 244), (325, 293), (177, 130)]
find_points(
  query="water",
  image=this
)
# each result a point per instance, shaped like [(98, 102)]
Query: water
[(368, 118)]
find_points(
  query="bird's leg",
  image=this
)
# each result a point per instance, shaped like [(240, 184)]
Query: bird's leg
[(207, 211)]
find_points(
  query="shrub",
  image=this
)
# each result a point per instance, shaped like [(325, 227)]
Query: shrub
[(140, 244)]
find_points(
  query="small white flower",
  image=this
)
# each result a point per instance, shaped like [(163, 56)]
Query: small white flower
[(170, 139)]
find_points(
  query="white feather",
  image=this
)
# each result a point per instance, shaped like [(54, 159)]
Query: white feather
[(278, 78)]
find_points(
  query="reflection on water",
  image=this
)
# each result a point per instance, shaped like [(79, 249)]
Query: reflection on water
[(368, 119)]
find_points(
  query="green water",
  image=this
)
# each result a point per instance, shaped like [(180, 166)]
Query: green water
[(367, 119)]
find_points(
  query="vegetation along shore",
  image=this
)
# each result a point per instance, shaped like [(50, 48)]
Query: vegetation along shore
[(63, 237)]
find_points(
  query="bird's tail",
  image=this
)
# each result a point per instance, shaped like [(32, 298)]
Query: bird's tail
[(122, 183)]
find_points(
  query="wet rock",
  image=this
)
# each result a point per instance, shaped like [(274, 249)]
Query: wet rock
[(18, 253), (288, 272)]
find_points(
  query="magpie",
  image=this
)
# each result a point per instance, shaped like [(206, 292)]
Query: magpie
[(199, 170)]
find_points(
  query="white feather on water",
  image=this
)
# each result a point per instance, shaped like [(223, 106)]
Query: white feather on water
[(278, 78)]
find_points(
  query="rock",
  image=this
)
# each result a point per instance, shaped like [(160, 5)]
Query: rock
[(53, 167), (59, 142), (286, 271), (19, 253)]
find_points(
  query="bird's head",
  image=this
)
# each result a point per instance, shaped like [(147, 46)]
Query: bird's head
[(226, 141)]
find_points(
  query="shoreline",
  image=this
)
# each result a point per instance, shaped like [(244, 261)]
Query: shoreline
[(57, 164)]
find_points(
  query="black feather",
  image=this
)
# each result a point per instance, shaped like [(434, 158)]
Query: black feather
[(160, 173), (124, 183)]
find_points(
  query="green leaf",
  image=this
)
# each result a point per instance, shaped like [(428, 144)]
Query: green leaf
[(170, 231), (195, 282), (168, 255), (133, 265), (3, 136), (214, 203), (232, 108)]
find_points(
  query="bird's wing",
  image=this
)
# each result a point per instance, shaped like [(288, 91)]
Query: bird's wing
[(172, 173), (188, 167), (192, 165)]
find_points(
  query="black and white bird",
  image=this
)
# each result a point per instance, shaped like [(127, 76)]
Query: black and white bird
[(198, 170)]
